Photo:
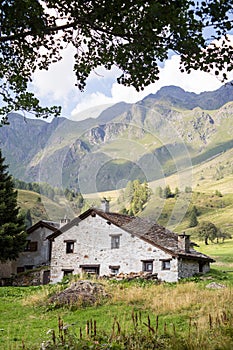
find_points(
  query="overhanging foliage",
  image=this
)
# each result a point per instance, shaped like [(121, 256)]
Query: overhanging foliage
[(134, 35)]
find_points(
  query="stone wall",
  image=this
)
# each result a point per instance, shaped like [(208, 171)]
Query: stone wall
[(188, 268), (35, 258), (92, 246), (29, 278)]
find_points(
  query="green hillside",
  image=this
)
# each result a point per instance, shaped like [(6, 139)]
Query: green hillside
[(204, 180), (43, 208), (173, 213)]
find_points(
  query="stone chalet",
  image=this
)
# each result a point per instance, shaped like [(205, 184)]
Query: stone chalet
[(106, 243), (37, 252)]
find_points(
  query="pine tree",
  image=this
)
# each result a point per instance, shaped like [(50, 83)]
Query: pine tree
[(193, 219), (12, 228), (167, 193)]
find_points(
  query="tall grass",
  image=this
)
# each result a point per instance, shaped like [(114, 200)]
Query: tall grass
[(189, 297), (145, 334)]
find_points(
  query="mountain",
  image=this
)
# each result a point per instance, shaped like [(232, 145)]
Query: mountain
[(176, 96), (163, 134)]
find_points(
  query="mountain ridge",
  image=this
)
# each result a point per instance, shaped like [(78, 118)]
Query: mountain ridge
[(149, 139), (208, 100)]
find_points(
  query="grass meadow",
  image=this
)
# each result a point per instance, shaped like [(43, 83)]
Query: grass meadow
[(184, 315)]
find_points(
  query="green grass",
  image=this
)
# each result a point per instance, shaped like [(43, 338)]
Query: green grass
[(25, 316), (46, 209), (222, 253), (30, 324)]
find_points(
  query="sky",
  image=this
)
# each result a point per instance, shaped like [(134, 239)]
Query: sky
[(57, 86)]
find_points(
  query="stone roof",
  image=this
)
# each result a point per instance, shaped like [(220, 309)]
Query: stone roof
[(145, 229), (53, 226)]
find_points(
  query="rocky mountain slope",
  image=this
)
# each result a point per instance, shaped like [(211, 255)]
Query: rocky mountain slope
[(162, 134)]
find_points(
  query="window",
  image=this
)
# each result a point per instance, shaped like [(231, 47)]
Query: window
[(69, 247), (115, 242), (166, 265), (31, 246), (114, 270), (20, 269), (90, 269), (67, 272), (147, 265)]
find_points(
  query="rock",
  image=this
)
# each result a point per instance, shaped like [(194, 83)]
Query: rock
[(80, 292), (215, 285)]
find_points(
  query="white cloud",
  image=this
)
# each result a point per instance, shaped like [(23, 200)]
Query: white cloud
[(170, 74), (59, 81), (57, 86), (91, 106)]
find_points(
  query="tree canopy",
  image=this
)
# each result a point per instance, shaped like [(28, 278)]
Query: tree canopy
[(134, 35), (136, 195), (12, 227), (207, 231)]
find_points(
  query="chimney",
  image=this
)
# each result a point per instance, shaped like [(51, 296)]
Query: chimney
[(184, 242), (105, 205), (64, 221)]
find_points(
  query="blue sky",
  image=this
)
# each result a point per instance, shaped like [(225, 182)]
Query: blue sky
[(57, 86)]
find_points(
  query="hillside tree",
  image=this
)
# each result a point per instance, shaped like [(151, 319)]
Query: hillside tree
[(167, 193), (193, 222), (12, 227), (134, 35), (207, 231), (159, 192), (141, 195), (221, 234)]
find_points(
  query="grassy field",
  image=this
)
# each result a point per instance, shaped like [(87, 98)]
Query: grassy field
[(195, 316), (43, 208), (26, 316)]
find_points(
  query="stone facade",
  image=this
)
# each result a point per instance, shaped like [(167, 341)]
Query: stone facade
[(37, 255), (96, 245), (189, 268), (107, 244), (37, 251), (92, 240)]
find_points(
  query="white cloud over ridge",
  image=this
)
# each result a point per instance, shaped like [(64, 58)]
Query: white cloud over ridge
[(57, 86), (170, 74)]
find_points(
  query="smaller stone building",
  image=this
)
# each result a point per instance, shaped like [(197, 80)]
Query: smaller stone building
[(106, 243), (37, 252)]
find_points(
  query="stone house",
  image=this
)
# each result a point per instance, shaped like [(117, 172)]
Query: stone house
[(37, 252), (106, 243)]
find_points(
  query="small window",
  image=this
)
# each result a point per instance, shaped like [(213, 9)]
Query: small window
[(28, 267), (166, 265), (147, 266), (114, 270), (69, 247), (67, 272), (20, 269), (90, 269), (115, 242), (31, 246)]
